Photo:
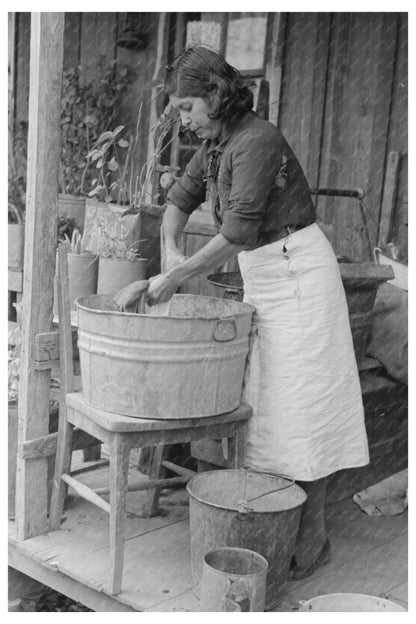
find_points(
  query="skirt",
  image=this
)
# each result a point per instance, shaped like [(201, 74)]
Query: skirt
[(301, 377)]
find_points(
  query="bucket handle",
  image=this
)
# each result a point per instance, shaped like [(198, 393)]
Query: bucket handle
[(243, 506), (225, 330)]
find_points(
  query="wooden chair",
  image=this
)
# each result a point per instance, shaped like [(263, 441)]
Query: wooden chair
[(121, 434)]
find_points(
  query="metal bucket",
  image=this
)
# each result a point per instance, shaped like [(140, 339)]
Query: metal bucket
[(228, 285), (186, 364), (115, 273), (233, 579), (82, 276), (244, 509), (350, 602)]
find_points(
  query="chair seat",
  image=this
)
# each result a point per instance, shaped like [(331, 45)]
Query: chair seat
[(126, 424)]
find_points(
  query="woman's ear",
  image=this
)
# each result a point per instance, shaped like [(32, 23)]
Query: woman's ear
[(212, 98)]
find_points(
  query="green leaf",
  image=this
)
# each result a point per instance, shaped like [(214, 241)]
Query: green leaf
[(117, 130), (92, 152), (95, 191), (104, 137), (105, 147), (112, 164)]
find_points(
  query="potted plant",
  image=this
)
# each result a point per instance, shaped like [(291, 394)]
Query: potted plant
[(82, 266), (87, 110), (119, 260), (121, 202)]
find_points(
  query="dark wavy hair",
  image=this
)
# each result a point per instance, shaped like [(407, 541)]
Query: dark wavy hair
[(202, 72)]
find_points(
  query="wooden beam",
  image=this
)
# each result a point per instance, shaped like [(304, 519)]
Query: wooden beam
[(148, 485), (180, 470), (46, 52), (87, 493), (47, 349), (47, 445), (65, 429), (11, 66), (47, 346), (274, 61), (161, 55), (49, 575), (389, 197)]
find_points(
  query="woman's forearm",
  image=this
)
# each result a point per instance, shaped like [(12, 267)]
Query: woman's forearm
[(214, 254), (174, 221)]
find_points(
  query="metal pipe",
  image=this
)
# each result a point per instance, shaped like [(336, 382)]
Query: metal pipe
[(357, 193)]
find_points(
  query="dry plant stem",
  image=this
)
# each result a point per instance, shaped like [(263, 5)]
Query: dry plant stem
[(121, 188), (136, 139), (149, 167)]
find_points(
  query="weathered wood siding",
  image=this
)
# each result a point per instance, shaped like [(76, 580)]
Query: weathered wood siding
[(343, 109), (90, 41), (338, 85), (398, 132)]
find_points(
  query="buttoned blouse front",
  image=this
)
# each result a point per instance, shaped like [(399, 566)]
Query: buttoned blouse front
[(254, 180)]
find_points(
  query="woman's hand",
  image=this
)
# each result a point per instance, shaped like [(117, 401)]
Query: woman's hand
[(161, 289), (130, 293)]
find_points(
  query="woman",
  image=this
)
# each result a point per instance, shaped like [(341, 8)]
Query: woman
[(301, 378)]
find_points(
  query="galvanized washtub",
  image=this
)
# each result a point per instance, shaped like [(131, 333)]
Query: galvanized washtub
[(186, 362), (361, 281)]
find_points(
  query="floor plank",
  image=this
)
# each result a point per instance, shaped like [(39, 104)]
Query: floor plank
[(369, 554), (400, 593), (370, 573)]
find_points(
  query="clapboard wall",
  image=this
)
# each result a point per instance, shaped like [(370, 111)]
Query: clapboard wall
[(343, 108), (90, 42), (338, 86)]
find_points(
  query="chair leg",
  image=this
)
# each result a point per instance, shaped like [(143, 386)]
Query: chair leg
[(62, 466), (119, 465), (65, 429), (236, 446), (156, 472)]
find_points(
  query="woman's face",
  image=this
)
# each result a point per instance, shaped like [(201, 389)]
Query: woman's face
[(194, 113)]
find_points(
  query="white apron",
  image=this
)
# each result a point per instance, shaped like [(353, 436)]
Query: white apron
[(301, 377)]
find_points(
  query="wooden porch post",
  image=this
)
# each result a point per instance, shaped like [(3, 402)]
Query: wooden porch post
[(46, 58)]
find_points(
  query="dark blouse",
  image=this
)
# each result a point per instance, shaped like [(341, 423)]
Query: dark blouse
[(255, 182)]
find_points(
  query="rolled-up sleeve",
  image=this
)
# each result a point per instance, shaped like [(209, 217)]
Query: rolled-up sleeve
[(254, 165), (189, 191)]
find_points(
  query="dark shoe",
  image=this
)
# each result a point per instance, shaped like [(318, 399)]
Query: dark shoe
[(299, 572)]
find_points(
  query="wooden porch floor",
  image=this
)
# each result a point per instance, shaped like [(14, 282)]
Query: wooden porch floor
[(369, 555)]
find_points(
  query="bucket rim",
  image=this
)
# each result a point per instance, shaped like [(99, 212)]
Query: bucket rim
[(217, 282), (247, 307), (257, 555), (341, 595), (235, 509), (121, 259)]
